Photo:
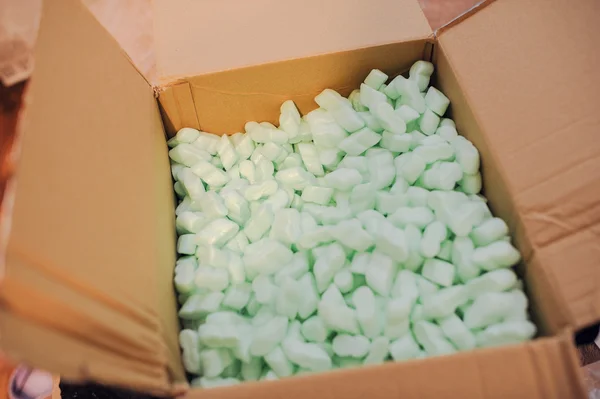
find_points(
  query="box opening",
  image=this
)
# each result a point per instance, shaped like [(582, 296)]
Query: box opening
[(222, 102)]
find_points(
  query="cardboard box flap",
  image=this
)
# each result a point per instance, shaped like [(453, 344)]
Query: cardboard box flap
[(542, 369), (92, 227), (196, 37), (529, 71)]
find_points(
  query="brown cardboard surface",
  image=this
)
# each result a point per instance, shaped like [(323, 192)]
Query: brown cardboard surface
[(91, 250), (232, 34), (547, 309), (543, 369), (223, 102), (528, 69)]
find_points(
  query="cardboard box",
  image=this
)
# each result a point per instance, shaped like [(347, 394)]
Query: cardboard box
[(87, 289)]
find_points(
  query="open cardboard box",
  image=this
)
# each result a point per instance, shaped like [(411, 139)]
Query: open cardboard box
[(87, 290)]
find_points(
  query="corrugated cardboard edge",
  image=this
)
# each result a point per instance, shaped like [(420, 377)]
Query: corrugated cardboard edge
[(459, 18)]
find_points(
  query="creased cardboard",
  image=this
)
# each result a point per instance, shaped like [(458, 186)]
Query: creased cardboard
[(92, 225), (263, 31), (223, 102), (93, 228), (534, 90)]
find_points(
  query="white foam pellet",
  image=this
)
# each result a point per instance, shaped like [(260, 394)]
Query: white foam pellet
[(295, 269), (286, 226), (489, 308), (252, 370), (296, 178), (317, 195), (446, 132), (404, 348), (327, 264), (354, 99), (184, 135), (359, 263), (489, 231), (408, 114), (347, 118), (381, 270), (439, 271), (496, 255), (214, 361), (184, 279), (494, 281), (259, 223), (351, 345), (289, 120), (375, 79), (343, 179), (237, 296), (338, 317), (188, 155), (367, 312), (279, 363), (192, 185), (457, 332), (227, 152), (462, 252), (396, 142), (466, 155), (217, 233), (351, 234), (387, 202), (432, 339), (198, 305), (210, 174), (397, 316), (288, 298), (307, 355), (509, 332), (420, 72), (410, 94), (405, 285), (426, 287), (410, 166), (370, 97), (213, 205), (266, 256), (310, 158), (212, 278), (325, 131), (418, 216), (268, 335), (444, 302), (470, 184), (189, 342), (237, 206), (389, 119), (378, 351), (314, 329), (360, 141), (344, 280), (436, 101), (433, 236), (186, 244), (245, 147)]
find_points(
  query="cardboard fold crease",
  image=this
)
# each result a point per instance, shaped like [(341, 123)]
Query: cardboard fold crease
[(87, 289)]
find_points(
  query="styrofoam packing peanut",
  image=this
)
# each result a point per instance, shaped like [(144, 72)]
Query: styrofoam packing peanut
[(498, 254), (341, 236), (432, 339), (505, 333), (325, 131), (351, 345)]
